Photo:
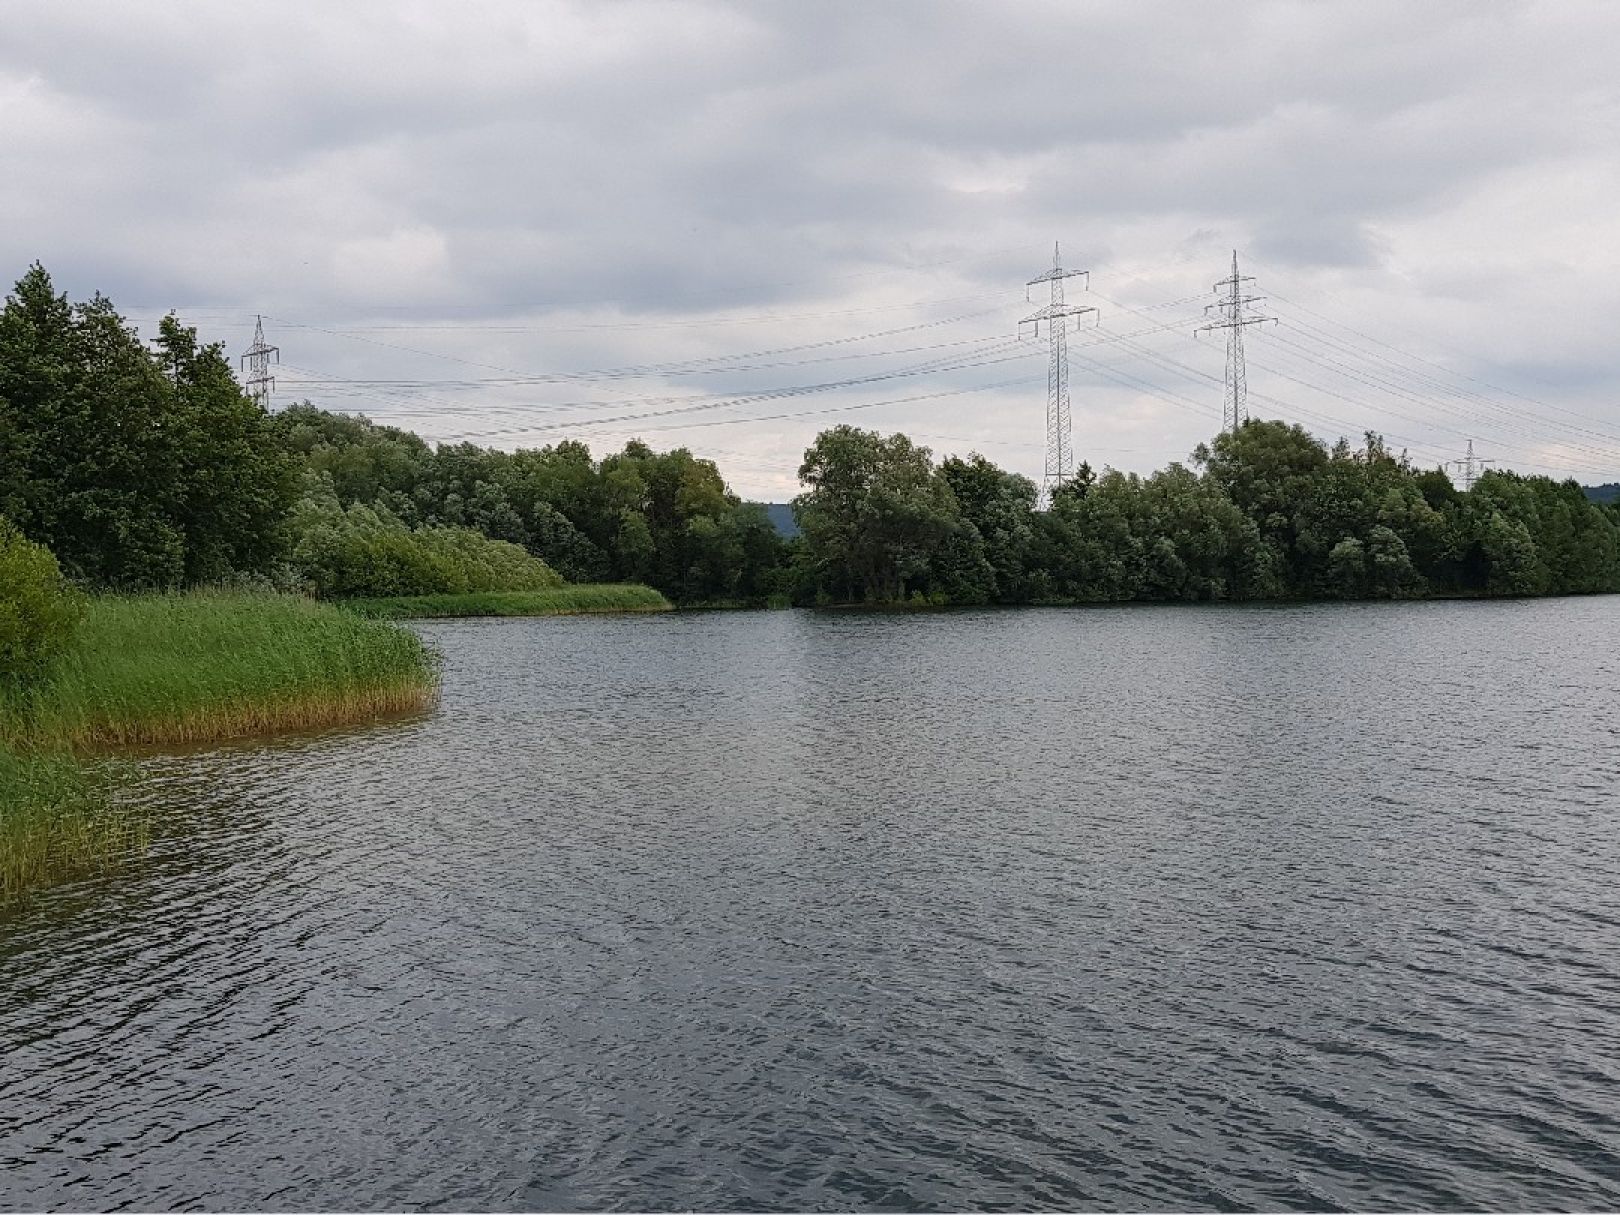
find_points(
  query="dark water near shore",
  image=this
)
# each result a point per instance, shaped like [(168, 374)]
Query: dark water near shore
[(1192, 908)]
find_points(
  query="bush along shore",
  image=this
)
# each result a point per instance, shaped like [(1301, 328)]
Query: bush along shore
[(557, 601)]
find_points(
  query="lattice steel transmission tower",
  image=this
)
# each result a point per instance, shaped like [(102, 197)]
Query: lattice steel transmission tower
[(1234, 318), (1469, 467), (260, 383), (1059, 439)]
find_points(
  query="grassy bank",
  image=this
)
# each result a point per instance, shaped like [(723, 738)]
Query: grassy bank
[(190, 668), (556, 601), (178, 669)]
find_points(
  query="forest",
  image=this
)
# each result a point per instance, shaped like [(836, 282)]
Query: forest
[(145, 467)]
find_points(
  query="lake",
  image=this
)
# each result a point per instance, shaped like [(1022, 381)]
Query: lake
[(1215, 907)]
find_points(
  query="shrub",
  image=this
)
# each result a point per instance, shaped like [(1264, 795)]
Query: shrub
[(38, 611), (367, 551)]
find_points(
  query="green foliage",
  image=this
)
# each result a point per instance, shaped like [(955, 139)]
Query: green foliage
[(368, 551), (1347, 569), (1389, 570), (1274, 514), (362, 461), (38, 611), (999, 507), (664, 519), (136, 467), (1515, 567), (873, 514), (573, 600), (1271, 472), (1556, 539)]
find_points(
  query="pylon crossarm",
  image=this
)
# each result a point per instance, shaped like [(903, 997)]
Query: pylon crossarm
[(1053, 275), (1052, 310)]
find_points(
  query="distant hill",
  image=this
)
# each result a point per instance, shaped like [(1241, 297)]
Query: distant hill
[(1603, 493), (787, 527)]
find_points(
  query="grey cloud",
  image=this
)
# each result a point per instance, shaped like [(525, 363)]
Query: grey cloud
[(566, 164)]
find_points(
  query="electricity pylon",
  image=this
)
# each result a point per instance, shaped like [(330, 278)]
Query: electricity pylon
[(260, 383), (1469, 467), (1234, 318), (1059, 440)]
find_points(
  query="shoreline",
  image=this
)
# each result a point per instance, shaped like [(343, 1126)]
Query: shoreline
[(178, 670), (582, 599)]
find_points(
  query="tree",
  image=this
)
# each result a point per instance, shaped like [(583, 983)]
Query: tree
[(1000, 506), (1388, 567), (873, 513), (137, 468), (1347, 569), (232, 486), (339, 551), (554, 538), (1513, 566), (1272, 472), (1090, 545)]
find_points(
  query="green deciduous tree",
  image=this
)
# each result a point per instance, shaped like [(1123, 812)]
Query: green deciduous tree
[(136, 467), (873, 514)]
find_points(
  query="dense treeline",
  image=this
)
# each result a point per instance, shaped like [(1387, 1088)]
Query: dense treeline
[(145, 466), (1270, 513), (664, 519)]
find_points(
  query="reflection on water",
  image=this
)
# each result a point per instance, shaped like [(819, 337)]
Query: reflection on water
[(1270, 907)]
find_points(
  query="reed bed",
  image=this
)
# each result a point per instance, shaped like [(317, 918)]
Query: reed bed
[(556, 601), (58, 822), (163, 669)]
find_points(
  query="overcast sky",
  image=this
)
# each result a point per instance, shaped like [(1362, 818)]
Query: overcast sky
[(447, 212)]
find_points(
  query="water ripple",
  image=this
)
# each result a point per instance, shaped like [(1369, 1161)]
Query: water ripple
[(1157, 908)]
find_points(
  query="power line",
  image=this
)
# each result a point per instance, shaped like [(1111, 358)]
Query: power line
[(802, 413), (1324, 350), (1198, 376), (653, 368), (673, 370), (705, 322), (1381, 368), (1417, 357), (1465, 416), (769, 395), (1292, 407), (979, 349)]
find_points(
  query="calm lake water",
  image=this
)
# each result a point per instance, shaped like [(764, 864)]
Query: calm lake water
[(1145, 908)]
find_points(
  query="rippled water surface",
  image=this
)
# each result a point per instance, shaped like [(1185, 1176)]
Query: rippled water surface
[(1192, 908)]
